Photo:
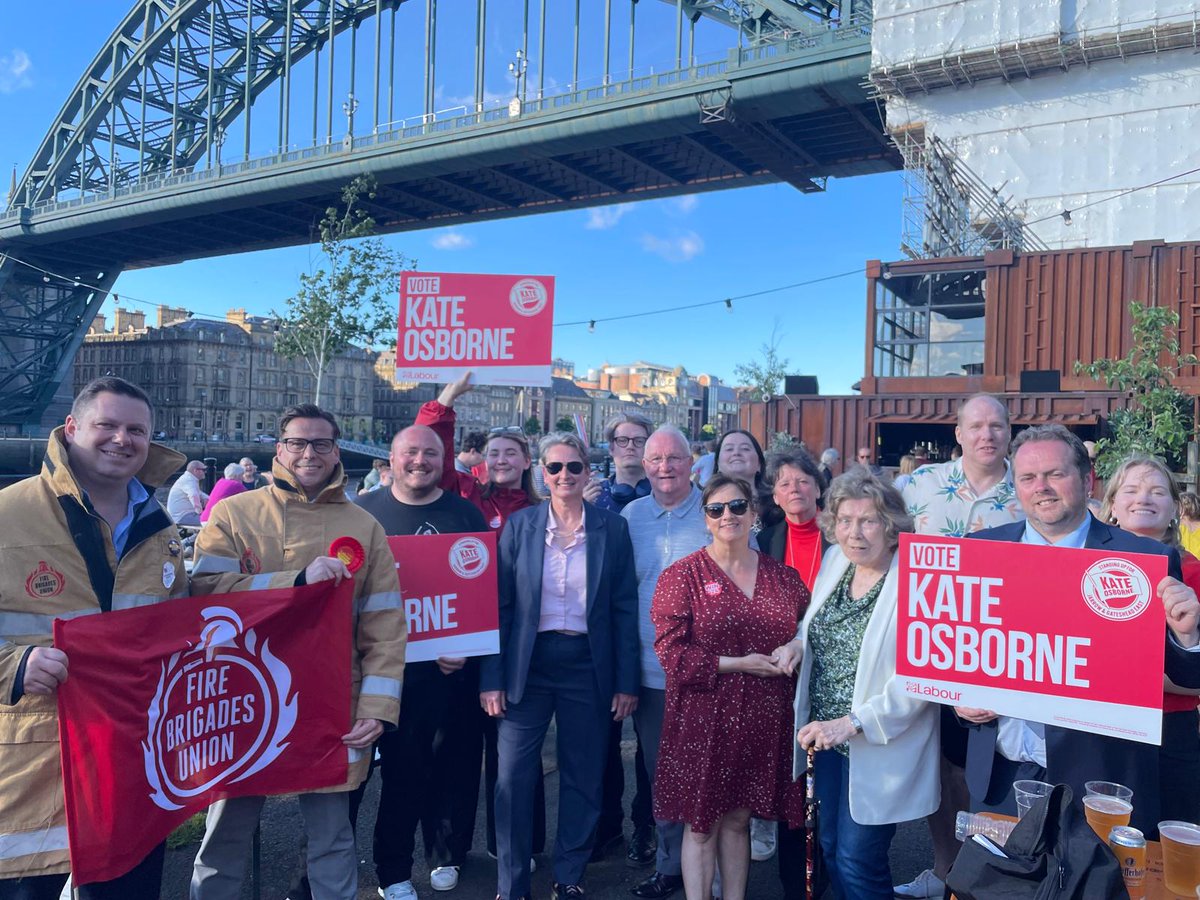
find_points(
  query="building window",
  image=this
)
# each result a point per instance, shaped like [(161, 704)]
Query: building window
[(930, 325)]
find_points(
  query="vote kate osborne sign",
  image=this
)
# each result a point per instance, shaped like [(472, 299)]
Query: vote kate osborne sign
[(449, 586), (498, 326), (1065, 637)]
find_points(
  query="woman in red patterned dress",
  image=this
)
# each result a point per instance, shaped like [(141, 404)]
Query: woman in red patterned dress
[(721, 616)]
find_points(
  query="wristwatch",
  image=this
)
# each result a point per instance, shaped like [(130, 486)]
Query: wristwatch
[(857, 723)]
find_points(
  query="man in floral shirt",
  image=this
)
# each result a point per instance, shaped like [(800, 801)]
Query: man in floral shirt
[(956, 498)]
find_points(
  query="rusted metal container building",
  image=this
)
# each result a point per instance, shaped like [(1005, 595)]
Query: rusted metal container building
[(1011, 324)]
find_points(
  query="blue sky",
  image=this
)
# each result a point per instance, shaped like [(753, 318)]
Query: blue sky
[(608, 261)]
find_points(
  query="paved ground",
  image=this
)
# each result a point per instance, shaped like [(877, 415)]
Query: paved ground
[(607, 880)]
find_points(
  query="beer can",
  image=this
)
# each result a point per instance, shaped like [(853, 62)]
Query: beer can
[(1129, 846)]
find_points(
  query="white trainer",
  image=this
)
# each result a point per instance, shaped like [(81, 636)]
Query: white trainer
[(924, 886), (762, 839), (401, 890), (444, 878)]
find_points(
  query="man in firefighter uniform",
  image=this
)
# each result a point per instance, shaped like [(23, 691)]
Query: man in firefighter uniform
[(280, 536), (85, 536)]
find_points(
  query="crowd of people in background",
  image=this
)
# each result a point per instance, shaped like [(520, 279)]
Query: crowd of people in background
[(740, 607)]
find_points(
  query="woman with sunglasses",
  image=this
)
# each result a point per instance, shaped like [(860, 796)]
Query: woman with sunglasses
[(509, 486), (721, 616), (877, 749), (568, 650)]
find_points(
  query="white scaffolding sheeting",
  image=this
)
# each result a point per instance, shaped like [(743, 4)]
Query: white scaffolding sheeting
[(1070, 136)]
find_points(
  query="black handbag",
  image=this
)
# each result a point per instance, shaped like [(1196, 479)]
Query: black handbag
[(1052, 853)]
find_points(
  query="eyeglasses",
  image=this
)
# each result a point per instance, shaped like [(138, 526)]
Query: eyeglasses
[(622, 441), (299, 445), (575, 467), (660, 461), (737, 507)]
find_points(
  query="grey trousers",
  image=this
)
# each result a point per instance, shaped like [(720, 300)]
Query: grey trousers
[(332, 863), (648, 720)]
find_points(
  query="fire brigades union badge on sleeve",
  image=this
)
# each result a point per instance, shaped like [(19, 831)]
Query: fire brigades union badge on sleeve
[(221, 712)]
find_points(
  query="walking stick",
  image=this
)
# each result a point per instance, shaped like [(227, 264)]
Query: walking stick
[(811, 810)]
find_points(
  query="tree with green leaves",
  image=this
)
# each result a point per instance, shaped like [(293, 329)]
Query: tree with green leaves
[(351, 296), (533, 426), (1158, 419), (565, 423), (707, 431), (763, 375)]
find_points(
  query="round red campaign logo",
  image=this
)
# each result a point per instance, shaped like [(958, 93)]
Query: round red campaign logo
[(468, 557), (712, 589), (1116, 589), (528, 297), (220, 712)]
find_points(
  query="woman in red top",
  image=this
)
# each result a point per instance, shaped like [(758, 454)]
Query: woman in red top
[(510, 474), (1141, 496), (509, 487), (721, 616)]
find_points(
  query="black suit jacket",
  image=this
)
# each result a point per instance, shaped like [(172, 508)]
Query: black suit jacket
[(1073, 757), (612, 602)]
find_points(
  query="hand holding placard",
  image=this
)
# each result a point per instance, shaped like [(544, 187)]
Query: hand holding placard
[(1182, 609)]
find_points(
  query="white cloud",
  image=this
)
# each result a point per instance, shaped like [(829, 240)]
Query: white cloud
[(15, 71), (601, 218), (678, 248), (685, 204), (453, 240)]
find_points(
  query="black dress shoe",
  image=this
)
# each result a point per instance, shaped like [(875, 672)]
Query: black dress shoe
[(566, 892), (657, 886), (603, 844), (643, 847)]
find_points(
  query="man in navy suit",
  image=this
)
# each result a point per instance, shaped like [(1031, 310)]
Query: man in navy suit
[(1052, 475), (568, 649)]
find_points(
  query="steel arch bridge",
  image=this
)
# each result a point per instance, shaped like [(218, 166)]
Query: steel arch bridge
[(206, 127)]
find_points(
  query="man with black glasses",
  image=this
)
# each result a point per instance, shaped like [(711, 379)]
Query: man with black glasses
[(626, 435), (278, 537)]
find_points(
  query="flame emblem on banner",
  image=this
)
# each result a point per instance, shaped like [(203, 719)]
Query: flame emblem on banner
[(221, 712)]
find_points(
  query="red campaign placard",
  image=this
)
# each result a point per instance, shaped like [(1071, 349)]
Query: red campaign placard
[(171, 707), (498, 326), (1061, 636), (451, 600)]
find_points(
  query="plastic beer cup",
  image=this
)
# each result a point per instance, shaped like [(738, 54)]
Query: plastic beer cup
[(1105, 813), (1181, 856), (1027, 791)]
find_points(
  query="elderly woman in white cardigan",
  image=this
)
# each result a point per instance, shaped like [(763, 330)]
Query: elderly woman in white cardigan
[(876, 760)]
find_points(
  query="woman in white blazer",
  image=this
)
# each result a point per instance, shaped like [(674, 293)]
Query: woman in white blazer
[(877, 747)]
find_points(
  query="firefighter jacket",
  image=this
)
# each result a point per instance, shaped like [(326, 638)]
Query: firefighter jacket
[(57, 561), (264, 539)]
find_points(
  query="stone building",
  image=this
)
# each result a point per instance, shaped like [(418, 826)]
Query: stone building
[(217, 380)]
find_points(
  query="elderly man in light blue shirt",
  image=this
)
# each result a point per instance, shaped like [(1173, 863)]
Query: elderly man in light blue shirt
[(664, 527)]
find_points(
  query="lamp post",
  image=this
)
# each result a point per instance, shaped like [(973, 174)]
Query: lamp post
[(203, 420), (517, 69), (349, 107)]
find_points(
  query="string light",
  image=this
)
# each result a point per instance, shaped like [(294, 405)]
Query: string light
[(1065, 215)]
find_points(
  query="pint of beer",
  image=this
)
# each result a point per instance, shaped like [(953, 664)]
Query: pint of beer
[(1181, 856), (1104, 813)]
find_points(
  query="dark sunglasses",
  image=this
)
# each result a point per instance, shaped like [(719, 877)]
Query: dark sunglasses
[(737, 507), (575, 467)]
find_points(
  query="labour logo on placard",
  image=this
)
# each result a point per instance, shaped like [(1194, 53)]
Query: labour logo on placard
[(528, 297), (1116, 589), (468, 557), (221, 712)]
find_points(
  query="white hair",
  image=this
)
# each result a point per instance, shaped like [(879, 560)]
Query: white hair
[(234, 470), (829, 456), (673, 432)]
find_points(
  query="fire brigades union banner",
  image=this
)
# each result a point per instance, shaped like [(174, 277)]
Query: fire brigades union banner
[(170, 707), (498, 326), (1065, 637)]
